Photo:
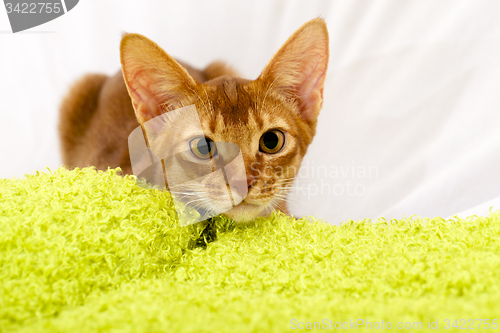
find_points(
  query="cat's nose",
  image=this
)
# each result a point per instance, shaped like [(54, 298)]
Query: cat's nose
[(241, 192), (250, 180), (238, 185)]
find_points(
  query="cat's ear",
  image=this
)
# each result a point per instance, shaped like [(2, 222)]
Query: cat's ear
[(298, 69), (155, 81)]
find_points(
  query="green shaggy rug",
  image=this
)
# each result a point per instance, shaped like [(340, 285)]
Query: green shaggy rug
[(87, 251)]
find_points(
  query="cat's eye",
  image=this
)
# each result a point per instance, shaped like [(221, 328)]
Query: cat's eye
[(271, 142), (203, 148)]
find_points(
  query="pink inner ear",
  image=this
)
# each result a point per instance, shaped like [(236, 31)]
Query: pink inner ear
[(145, 103), (310, 88)]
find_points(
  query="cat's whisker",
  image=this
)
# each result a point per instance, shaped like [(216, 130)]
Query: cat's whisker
[(209, 102), (199, 97), (283, 196), (269, 89), (277, 107), (255, 100), (185, 193), (301, 203)]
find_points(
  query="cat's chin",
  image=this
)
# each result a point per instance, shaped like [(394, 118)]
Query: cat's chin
[(245, 212)]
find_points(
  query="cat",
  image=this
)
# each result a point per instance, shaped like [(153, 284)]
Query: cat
[(272, 118)]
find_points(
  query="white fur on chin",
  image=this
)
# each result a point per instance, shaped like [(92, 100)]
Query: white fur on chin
[(247, 212)]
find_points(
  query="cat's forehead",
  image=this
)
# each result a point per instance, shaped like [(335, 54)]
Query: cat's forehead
[(237, 101), (230, 100), (239, 110)]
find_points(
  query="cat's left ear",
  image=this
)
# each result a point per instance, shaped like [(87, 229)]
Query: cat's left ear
[(155, 81), (298, 69)]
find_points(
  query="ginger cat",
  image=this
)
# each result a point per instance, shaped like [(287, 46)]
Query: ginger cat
[(272, 118)]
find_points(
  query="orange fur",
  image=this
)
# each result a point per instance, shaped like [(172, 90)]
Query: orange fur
[(100, 112)]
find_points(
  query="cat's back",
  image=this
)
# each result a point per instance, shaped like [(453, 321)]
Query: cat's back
[(94, 117)]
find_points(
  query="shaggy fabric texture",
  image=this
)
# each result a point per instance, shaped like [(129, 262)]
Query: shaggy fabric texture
[(87, 251)]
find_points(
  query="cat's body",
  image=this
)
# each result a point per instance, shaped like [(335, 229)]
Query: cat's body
[(279, 108)]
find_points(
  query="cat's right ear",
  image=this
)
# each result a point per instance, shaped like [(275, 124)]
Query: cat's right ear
[(155, 81), (298, 70)]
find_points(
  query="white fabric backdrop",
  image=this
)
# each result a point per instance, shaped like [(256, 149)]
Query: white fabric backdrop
[(412, 104)]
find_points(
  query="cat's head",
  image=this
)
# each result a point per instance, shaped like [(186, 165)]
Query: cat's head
[(272, 119)]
